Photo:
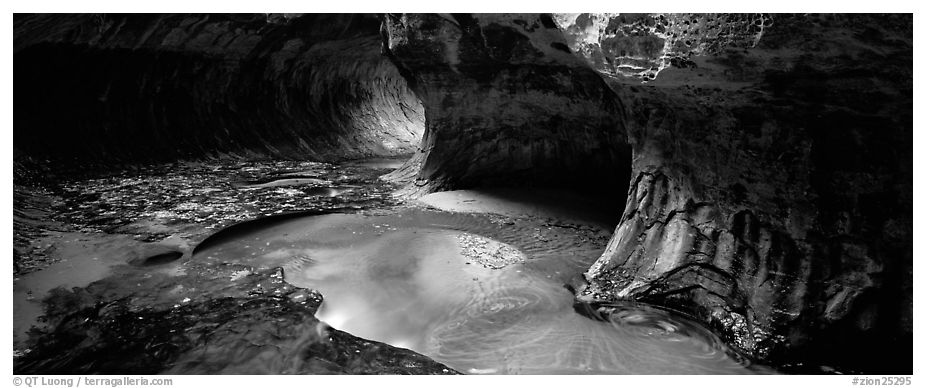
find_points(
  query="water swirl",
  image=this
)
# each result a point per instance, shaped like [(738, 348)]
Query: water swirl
[(411, 280)]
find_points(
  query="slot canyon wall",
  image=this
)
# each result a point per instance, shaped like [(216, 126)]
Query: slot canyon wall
[(771, 186), (765, 160), (502, 109), (106, 87)]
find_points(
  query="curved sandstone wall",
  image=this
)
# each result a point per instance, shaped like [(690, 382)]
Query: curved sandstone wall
[(771, 185), (506, 104), (162, 87), (764, 160)]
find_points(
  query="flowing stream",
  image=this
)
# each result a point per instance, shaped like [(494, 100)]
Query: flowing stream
[(479, 293)]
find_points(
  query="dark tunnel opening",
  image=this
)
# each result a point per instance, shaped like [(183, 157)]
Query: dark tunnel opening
[(496, 167), (292, 91)]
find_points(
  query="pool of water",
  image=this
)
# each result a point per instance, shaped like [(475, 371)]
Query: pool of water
[(73, 226), (480, 293)]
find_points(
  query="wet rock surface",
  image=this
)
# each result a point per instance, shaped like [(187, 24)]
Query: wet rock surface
[(771, 186), (211, 319), (778, 206), (764, 161), (488, 253), (187, 199), (413, 279), (156, 311)]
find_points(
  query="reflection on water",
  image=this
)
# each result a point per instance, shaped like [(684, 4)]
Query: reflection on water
[(413, 280)]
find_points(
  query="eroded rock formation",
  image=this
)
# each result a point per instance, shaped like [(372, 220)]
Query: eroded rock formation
[(771, 185), (642, 45), (506, 103), (764, 160), (162, 87)]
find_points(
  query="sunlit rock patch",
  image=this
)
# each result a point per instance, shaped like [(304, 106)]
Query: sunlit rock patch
[(642, 45)]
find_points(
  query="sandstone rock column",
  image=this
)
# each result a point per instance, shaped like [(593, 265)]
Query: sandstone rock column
[(506, 103)]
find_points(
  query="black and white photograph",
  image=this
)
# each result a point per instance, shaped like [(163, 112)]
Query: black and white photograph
[(408, 193)]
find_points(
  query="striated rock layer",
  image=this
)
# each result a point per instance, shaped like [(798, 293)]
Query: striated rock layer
[(162, 87), (770, 191)]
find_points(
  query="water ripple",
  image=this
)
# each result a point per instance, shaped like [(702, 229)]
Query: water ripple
[(408, 279)]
